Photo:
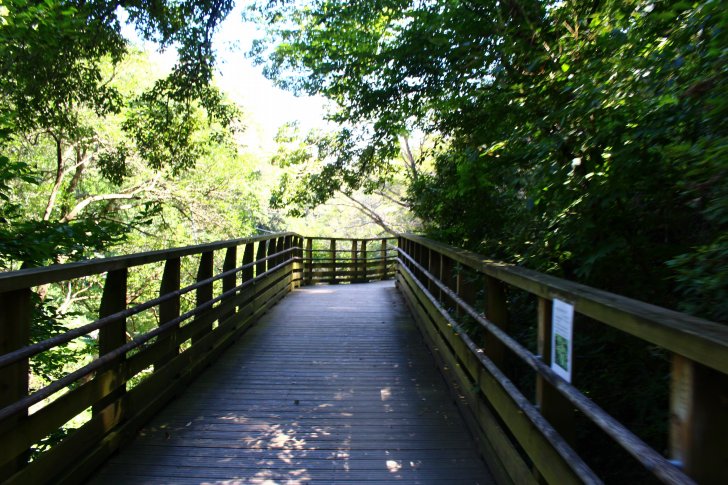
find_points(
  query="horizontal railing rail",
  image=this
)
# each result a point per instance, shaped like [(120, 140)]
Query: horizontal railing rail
[(152, 340), (348, 260), (26, 278), (133, 373), (519, 436)]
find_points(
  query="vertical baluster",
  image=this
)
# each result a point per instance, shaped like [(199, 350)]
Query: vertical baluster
[(466, 290), (169, 310), (248, 272), (308, 264), (299, 255), (111, 337), (416, 248), (270, 250), (406, 249), (401, 242), (333, 279), (289, 258), (435, 260), (422, 258), (260, 265), (383, 259), (247, 275), (229, 281), (496, 310), (279, 249), (354, 261), (448, 278), (364, 261), (270, 253), (699, 420), (204, 292), (15, 320)]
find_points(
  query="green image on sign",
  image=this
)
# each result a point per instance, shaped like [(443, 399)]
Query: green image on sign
[(562, 352)]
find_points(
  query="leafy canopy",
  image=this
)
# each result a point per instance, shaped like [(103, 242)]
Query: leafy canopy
[(581, 136)]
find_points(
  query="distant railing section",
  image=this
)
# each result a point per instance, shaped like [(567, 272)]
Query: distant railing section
[(134, 373), (340, 260), (522, 437)]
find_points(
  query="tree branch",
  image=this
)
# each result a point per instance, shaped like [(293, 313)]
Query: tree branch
[(59, 179), (364, 209), (73, 213)]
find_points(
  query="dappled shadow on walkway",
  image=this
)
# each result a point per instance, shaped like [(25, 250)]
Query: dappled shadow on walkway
[(333, 385)]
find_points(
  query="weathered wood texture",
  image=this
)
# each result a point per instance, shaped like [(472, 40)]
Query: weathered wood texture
[(336, 260), (333, 385), (120, 403), (434, 278)]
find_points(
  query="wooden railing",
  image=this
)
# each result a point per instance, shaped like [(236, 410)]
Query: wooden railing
[(338, 260), (133, 374), (523, 434), (205, 296)]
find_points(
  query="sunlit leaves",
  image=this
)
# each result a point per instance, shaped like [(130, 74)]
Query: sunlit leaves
[(633, 90)]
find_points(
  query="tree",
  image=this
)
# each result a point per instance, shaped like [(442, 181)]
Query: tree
[(59, 62), (584, 139), (581, 136), (312, 176)]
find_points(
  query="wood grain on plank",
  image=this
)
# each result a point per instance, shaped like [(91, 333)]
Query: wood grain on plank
[(333, 385)]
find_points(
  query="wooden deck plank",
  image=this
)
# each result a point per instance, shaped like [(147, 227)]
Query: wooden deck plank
[(333, 385)]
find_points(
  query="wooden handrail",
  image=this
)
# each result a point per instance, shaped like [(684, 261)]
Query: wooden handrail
[(326, 238), (701, 340), (560, 445), (26, 278), (248, 290), (428, 276), (39, 347), (427, 272), (629, 441), (271, 266)]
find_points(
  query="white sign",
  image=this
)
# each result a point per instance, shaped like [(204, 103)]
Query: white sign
[(562, 329)]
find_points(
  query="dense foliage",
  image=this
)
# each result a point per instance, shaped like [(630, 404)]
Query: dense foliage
[(582, 138), (61, 94)]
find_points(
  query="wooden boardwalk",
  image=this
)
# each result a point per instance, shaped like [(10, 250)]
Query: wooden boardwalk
[(334, 385)]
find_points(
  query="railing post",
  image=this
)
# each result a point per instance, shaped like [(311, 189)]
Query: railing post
[(248, 272), (417, 256), (699, 420), (229, 281), (111, 337), (354, 261), (204, 293), (280, 246), (364, 261), (397, 254), (333, 262), (247, 275), (270, 250), (406, 247), (15, 320), (298, 253), (431, 266), (465, 290), (553, 406), (273, 246), (448, 278), (383, 262), (169, 310), (496, 311), (260, 264), (289, 257), (309, 261)]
